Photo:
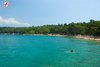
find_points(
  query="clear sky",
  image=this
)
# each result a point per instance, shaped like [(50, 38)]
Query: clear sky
[(42, 12)]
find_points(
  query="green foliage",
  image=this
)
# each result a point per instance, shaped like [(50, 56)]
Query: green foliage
[(90, 28)]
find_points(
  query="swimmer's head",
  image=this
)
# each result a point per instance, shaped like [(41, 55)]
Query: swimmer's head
[(71, 51)]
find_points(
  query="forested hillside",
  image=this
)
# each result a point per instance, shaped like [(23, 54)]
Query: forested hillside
[(83, 28)]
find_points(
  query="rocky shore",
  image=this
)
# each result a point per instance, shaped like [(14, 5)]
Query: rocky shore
[(55, 35), (87, 37)]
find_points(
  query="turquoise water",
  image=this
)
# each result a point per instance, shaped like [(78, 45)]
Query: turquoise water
[(47, 51)]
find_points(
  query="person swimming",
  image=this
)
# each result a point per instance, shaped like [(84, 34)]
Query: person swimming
[(71, 51)]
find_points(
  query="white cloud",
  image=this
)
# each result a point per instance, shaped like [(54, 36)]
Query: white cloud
[(12, 22)]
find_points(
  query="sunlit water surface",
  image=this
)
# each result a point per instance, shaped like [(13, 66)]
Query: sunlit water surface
[(47, 51)]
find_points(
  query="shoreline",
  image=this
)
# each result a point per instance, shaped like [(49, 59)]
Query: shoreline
[(86, 37), (34, 34)]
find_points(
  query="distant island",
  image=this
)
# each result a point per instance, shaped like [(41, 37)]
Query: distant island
[(87, 29)]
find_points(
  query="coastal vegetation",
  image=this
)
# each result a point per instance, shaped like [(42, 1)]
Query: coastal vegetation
[(91, 28)]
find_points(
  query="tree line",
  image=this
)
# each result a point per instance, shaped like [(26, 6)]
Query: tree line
[(84, 28)]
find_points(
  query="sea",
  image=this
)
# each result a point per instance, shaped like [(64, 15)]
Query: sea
[(48, 51)]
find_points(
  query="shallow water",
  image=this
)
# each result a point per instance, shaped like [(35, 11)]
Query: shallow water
[(47, 51)]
